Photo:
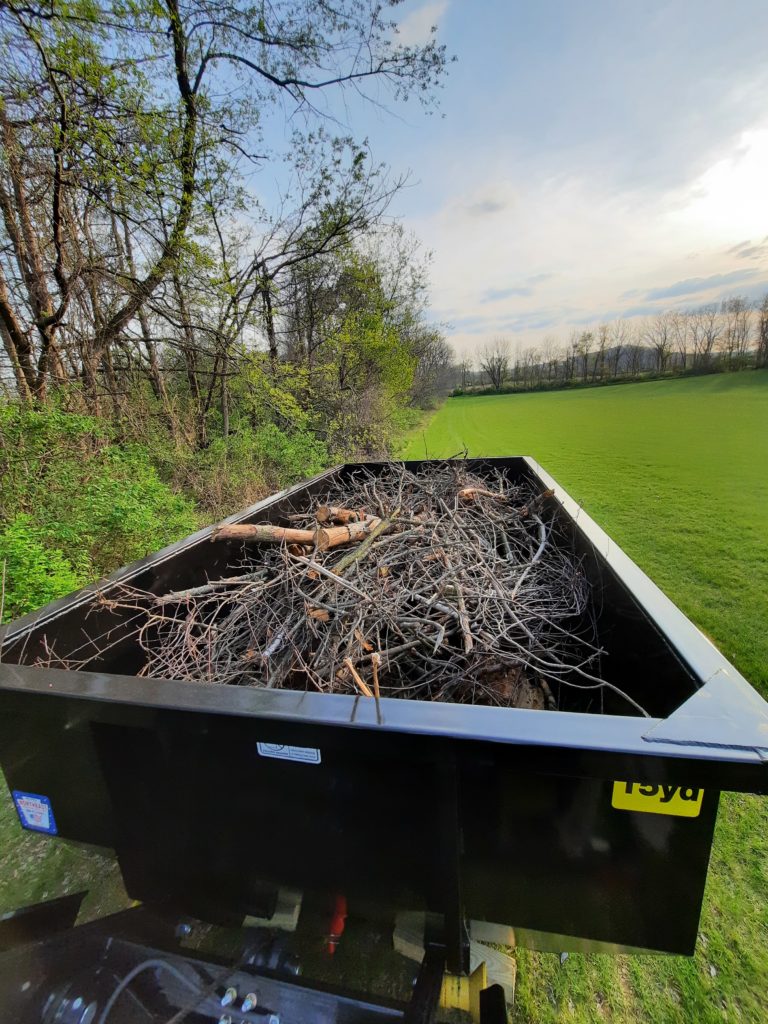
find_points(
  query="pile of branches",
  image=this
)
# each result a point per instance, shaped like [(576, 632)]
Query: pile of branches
[(432, 585)]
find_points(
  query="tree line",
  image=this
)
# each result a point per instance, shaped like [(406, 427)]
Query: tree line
[(730, 335)]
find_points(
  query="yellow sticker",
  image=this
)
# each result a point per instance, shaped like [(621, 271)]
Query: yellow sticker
[(684, 801)]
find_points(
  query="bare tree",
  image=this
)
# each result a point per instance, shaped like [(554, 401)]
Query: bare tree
[(550, 355), (598, 369), (761, 354), (637, 352), (658, 335), (529, 365), (584, 347), (434, 362), (466, 371), (620, 337), (494, 362), (680, 324), (708, 329), (571, 356), (737, 329)]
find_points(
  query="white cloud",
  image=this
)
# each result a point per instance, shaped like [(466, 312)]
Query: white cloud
[(730, 198), (416, 28), (523, 254)]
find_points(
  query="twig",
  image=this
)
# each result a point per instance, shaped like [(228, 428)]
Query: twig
[(375, 662), (361, 684), (460, 597), (330, 575), (360, 552)]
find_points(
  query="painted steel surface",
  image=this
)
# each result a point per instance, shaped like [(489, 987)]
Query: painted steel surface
[(501, 815)]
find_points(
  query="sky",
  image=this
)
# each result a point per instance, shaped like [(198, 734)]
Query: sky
[(589, 159)]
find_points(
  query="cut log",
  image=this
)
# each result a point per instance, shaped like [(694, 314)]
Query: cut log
[(340, 516), (470, 493), (263, 534), (377, 528), (333, 536)]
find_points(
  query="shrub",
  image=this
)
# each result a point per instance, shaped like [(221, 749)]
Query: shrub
[(34, 573), (236, 471), (74, 505)]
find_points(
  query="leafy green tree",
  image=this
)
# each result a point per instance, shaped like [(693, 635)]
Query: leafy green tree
[(122, 126)]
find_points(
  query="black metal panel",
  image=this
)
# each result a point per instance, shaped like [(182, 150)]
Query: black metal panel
[(39, 920), (551, 853), (203, 824), (204, 821), (498, 814)]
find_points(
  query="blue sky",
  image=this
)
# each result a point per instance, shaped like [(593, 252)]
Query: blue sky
[(591, 158)]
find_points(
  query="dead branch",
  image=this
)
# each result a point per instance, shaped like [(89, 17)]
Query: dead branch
[(340, 516), (460, 589), (263, 534)]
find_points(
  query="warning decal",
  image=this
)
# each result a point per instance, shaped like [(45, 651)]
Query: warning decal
[(683, 801), (307, 755), (35, 812)]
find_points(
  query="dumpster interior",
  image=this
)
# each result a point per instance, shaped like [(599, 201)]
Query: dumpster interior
[(463, 581)]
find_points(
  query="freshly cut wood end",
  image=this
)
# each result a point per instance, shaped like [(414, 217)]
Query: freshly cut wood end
[(333, 536), (299, 549), (319, 614), (470, 493), (338, 515)]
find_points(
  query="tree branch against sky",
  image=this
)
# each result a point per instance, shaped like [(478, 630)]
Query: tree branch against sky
[(133, 112)]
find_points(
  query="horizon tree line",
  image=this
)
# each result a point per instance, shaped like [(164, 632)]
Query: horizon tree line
[(729, 335)]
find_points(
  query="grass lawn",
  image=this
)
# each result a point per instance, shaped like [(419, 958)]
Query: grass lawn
[(677, 473)]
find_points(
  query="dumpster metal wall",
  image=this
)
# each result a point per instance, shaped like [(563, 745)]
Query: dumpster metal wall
[(502, 815)]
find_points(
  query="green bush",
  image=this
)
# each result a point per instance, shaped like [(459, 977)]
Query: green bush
[(75, 505), (125, 511), (77, 502), (236, 471), (34, 572)]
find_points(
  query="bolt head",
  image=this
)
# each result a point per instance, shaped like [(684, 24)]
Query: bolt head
[(250, 1001), (229, 997)]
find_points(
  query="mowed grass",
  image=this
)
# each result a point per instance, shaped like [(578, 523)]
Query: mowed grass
[(677, 473)]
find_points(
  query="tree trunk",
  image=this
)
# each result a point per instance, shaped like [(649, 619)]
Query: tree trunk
[(269, 322)]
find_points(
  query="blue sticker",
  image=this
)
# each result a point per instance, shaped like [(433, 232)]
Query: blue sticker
[(35, 812)]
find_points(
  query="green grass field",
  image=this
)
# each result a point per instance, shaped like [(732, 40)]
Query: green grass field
[(677, 473)]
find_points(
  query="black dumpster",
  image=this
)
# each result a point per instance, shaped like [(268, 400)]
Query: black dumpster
[(573, 829)]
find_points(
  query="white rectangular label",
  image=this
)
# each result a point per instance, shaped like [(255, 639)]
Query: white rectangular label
[(307, 755)]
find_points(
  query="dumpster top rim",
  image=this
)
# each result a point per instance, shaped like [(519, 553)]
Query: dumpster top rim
[(725, 711)]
